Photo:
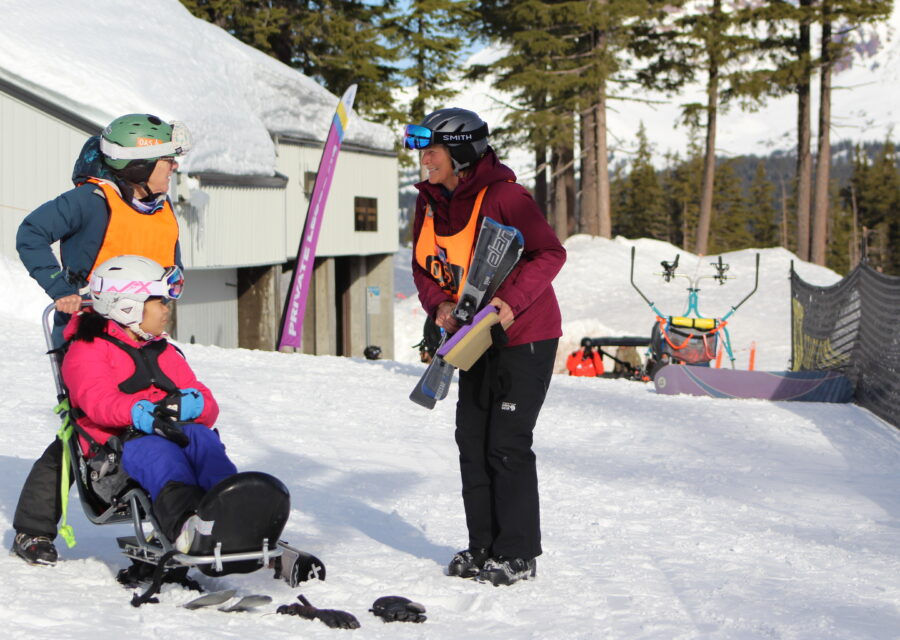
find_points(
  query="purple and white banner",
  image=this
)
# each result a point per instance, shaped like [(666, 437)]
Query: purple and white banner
[(291, 332)]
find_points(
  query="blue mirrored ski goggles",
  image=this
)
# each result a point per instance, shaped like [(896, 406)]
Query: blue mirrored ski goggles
[(415, 136)]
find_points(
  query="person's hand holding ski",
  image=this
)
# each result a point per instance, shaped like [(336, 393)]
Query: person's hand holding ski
[(504, 312), (444, 317)]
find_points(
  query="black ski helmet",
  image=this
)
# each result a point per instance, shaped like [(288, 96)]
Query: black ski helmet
[(460, 121)]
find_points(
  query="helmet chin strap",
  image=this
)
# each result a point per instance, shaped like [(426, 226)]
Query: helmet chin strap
[(136, 328)]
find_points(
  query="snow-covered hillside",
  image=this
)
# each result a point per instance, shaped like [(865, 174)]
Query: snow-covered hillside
[(663, 517)]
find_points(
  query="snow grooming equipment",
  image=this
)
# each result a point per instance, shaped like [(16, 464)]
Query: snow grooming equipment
[(689, 338), (496, 253), (251, 509)]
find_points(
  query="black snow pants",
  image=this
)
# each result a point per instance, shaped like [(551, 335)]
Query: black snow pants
[(40, 504), (500, 398)]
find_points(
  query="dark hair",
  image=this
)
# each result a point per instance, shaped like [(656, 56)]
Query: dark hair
[(90, 325)]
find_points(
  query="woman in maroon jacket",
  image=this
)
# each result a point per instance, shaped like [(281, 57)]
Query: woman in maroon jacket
[(501, 395)]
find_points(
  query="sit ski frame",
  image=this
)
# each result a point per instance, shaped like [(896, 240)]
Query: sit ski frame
[(134, 506), (693, 301)]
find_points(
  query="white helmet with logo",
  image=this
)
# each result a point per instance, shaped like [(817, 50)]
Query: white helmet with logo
[(121, 285)]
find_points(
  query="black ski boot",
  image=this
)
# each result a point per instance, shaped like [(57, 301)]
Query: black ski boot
[(34, 549), (468, 563), (506, 571)]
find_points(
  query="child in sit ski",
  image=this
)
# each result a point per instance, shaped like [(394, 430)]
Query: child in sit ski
[(128, 381)]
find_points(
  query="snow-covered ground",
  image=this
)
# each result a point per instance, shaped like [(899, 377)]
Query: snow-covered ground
[(663, 517)]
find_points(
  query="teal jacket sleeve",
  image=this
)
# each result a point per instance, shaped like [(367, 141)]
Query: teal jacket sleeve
[(77, 219)]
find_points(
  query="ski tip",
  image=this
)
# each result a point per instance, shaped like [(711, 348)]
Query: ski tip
[(210, 599)]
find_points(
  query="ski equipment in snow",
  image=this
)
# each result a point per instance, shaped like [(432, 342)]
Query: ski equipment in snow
[(290, 333), (295, 566), (801, 386), (689, 338), (210, 599)]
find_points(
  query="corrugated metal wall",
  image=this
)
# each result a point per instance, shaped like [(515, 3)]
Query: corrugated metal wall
[(222, 227), (233, 226), (356, 175), (37, 152), (207, 312)]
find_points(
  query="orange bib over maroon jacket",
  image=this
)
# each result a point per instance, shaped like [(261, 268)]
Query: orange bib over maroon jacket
[(447, 258), (131, 232)]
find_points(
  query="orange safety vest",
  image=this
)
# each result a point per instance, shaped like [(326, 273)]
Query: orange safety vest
[(131, 232), (447, 258)]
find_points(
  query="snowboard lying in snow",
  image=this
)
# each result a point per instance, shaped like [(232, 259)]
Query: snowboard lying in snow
[(802, 386)]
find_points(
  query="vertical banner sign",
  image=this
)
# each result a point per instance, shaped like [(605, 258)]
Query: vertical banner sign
[(291, 332)]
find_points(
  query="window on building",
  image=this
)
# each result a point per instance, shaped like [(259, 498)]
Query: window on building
[(309, 181), (366, 214)]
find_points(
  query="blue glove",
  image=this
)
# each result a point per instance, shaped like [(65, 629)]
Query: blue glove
[(183, 406), (192, 404), (142, 415)]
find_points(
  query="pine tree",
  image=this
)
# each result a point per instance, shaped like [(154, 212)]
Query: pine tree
[(712, 39), (729, 229), (430, 34), (762, 217), (643, 213), (336, 42), (834, 47), (876, 187)]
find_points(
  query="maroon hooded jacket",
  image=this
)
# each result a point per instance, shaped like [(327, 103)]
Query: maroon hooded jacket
[(527, 289)]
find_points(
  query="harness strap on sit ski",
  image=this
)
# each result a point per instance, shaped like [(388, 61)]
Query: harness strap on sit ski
[(65, 434)]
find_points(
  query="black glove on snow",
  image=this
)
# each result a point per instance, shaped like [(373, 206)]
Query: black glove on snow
[(331, 617), (398, 609)]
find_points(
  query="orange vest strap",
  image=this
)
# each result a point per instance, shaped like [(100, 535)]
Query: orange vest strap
[(447, 258)]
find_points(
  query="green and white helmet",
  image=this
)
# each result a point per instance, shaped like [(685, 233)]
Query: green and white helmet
[(140, 139)]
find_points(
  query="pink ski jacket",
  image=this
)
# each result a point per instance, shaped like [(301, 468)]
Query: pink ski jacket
[(92, 372)]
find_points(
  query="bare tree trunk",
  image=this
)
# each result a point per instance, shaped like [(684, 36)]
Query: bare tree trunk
[(590, 220), (569, 182), (804, 160), (560, 203), (784, 215), (709, 161), (855, 246), (823, 158), (604, 208), (540, 179)]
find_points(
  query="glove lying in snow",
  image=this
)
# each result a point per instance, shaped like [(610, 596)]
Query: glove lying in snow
[(331, 617), (398, 609)]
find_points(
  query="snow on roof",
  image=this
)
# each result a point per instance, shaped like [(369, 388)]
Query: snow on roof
[(107, 58)]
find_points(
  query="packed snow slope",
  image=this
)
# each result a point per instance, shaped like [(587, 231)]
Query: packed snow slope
[(663, 516)]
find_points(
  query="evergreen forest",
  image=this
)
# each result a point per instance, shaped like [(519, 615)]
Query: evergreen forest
[(564, 61)]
